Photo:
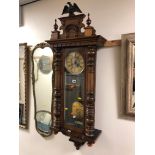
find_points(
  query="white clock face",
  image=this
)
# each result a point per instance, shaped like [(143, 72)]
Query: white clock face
[(74, 63)]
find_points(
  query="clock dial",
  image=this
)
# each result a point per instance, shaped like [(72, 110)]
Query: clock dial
[(74, 63)]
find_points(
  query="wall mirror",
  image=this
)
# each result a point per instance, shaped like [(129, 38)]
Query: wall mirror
[(42, 58), (24, 53), (128, 73)]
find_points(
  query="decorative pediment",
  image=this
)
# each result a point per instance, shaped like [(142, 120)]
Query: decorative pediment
[(71, 26)]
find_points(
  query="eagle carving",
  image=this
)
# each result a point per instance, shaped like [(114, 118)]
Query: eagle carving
[(69, 8)]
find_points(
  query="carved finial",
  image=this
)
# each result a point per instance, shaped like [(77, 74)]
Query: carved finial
[(55, 33), (88, 20), (89, 30), (55, 25)]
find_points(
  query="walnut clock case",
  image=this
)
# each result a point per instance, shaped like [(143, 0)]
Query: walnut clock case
[(74, 74)]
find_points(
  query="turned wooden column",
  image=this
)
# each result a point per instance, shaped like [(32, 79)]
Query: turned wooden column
[(57, 91), (90, 91)]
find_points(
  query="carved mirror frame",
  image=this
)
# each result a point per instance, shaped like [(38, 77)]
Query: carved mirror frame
[(24, 85), (128, 74), (44, 134)]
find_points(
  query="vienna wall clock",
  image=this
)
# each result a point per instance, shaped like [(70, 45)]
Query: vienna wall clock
[(74, 74)]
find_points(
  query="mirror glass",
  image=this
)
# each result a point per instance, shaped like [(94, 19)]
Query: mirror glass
[(23, 84), (42, 57)]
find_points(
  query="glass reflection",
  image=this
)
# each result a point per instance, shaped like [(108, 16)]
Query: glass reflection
[(74, 99)]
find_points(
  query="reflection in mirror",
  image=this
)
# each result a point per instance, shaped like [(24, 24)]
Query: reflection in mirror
[(23, 84), (42, 57)]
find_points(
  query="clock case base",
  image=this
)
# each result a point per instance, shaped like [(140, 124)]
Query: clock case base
[(81, 139), (72, 37)]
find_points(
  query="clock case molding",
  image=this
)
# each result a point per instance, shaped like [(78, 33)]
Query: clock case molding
[(88, 42)]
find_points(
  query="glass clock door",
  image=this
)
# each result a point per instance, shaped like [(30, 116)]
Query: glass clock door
[(74, 90)]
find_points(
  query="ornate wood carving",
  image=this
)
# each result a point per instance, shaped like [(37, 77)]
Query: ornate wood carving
[(57, 97), (55, 33), (26, 69), (71, 26), (90, 89), (26, 72), (87, 42), (89, 30)]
